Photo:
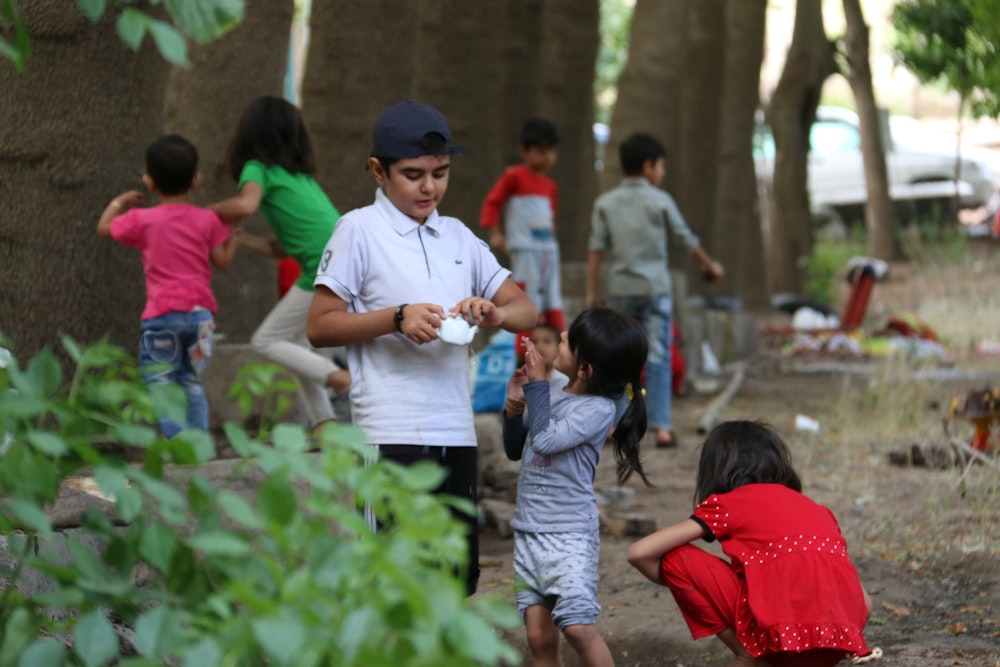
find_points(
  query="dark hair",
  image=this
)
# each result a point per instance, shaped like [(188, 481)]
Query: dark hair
[(614, 347), (432, 142), (743, 452), (271, 131), (538, 132), (552, 329), (636, 150), (172, 162)]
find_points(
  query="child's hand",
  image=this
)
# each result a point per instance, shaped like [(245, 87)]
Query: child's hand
[(129, 199), (713, 272), (497, 240), (421, 322), (515, 386), (534, 366), (479, 310)]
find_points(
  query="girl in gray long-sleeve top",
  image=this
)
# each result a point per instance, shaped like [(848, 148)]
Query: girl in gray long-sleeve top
[(559, 437)]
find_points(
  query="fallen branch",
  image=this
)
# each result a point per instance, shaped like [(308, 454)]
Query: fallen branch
[(967, 456), (715, 407)]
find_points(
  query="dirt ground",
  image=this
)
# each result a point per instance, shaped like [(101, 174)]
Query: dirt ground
[(924, 545)]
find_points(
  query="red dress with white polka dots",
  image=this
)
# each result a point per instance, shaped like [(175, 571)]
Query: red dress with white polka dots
[(799, 589)]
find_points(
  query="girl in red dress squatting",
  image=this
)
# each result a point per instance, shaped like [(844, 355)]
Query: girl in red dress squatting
[(789, 595)]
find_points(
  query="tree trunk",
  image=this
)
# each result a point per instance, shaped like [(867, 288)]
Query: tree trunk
[(735, 229), (361, 59), (879, 213), (520, 38), (697, 145), (791, 114), (202, 104), (650, 85), (76, 125), (566, 97), (458, 71)]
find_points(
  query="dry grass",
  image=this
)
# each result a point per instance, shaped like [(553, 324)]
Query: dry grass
[(905, 511)]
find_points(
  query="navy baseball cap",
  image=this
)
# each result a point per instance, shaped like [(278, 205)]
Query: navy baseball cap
[(400, 129)]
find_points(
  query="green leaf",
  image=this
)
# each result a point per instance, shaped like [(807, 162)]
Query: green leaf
[(18, 50), (48, 443), (169, 42), (289, 438), (94, 640), (192, 446), (276, 500), (205, 21), (19, 629), (29, 515), (205, 652), (134, 434), (131, 26), (157, 545), (94, 9), (157, 632), (218, 543), (44, 653), (281, 637), (239, 510), (424, 476)]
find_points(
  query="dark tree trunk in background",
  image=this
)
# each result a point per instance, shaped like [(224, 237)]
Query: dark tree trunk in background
[(735, 230), (75, 127), (204, 104), (879, 212), (566, 97), (458, 71), (361, 58), (520, 54), (697, 145), (649, 85), (790, 115)]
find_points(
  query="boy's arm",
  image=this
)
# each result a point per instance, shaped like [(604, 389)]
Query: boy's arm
[(710, 268), (242, 205), (645, 555), (489, 217), (510, 308), (115, 207), (222, 254), (331, 325), (262, 245), (594, 260)]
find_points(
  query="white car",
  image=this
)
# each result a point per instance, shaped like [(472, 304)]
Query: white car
[(836, 178)]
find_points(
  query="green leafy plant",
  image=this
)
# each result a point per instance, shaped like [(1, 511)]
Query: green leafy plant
[(202, 21), (277, 567)]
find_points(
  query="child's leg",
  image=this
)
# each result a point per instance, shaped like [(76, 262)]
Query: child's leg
[(543, 637), (281, 338), (196, 350), (160, 359), (706, 591), (656, 321), (524, 269), (550, 305), (589, 645)]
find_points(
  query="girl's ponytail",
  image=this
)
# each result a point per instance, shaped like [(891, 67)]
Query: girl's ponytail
[(628, 432)]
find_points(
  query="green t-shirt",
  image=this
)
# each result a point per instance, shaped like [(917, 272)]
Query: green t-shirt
[(298, 211)]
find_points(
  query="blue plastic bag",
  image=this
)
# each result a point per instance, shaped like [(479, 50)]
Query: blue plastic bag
[(494, 366)]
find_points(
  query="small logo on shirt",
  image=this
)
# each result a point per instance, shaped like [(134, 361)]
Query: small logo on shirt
[(458, 261)]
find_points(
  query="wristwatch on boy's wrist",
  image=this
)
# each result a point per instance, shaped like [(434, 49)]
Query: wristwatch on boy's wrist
[(398, 318)]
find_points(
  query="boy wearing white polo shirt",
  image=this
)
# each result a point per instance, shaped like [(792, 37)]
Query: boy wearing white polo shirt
[(389, 274)]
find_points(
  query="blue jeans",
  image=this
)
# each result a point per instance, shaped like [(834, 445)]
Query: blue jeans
[(654, 314), (175, 347)]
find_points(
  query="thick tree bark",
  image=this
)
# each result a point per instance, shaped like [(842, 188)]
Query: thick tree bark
[(76, 125), (879, 212), (361, 58), (735, 231), (650, 85), (697, 145), (203, 104), (566, 97), (520, 43), (791, 114), (458, 71)]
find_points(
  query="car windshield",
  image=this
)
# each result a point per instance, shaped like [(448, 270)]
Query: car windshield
[(827, 137)]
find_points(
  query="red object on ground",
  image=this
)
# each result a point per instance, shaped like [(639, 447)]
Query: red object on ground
[(288, 272), (862, 281)]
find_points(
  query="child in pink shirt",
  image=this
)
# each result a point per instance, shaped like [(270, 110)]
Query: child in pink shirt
[(177, 241)]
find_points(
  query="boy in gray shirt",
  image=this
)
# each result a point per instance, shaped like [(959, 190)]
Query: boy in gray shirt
[(629, 230)]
